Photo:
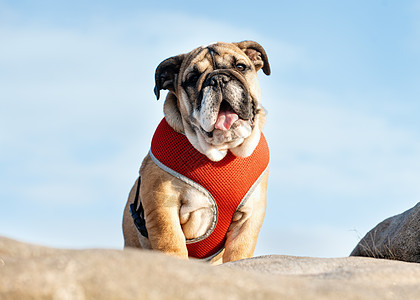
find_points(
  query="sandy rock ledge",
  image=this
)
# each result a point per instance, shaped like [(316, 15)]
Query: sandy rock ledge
[(35, 272)]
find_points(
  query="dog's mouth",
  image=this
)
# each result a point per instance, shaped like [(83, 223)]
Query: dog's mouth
[(224, 109), (226, 121), (226, 117)]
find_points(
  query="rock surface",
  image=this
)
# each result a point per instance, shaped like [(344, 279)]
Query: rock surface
[(395, 238), (34, 272)]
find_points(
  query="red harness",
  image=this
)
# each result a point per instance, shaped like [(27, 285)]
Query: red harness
[(228, 182)]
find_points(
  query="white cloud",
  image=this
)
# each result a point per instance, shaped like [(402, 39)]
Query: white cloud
[(333, 170), (77, 113), (338, 150), (316, 241)]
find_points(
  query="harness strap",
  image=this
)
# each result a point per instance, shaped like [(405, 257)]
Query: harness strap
[(138, 213)]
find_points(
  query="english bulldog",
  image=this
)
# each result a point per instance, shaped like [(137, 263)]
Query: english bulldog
[(202, 187)]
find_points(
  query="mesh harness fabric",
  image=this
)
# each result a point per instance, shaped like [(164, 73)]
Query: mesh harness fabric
[(227, 183)]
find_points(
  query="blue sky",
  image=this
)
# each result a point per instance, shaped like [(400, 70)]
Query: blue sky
[(77, 113)]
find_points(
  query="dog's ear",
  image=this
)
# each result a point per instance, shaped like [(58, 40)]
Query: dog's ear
[(256, 54), (166, 74)]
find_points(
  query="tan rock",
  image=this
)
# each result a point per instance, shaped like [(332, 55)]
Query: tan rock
[(34, 272)]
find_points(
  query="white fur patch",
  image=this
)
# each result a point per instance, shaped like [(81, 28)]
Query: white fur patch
[(196, 214), (208, 114)]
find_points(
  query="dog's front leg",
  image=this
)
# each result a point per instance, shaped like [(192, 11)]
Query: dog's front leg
[(243, 232), (160, 197), (165, 233)]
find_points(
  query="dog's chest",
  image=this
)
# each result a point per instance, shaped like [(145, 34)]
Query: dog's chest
[(216, 189)]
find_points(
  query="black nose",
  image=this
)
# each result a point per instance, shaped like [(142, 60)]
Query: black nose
[(219, 80)]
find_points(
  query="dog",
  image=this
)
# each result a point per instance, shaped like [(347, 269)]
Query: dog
[(202, 187)]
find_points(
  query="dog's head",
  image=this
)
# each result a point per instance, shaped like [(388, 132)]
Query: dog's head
[(214, 97)]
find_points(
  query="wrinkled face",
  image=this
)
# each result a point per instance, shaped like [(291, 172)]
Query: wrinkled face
[(219, 94), (214, 97)]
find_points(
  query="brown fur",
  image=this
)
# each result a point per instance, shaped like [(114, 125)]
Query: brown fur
[(162, 195)]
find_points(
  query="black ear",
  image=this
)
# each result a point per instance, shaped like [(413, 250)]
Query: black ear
[(257, 54), (166, 74)]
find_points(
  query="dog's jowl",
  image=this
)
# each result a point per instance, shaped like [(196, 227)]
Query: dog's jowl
[(202, 187)]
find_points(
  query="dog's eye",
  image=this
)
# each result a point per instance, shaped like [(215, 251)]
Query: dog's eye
[(192, 78), (240, 67)]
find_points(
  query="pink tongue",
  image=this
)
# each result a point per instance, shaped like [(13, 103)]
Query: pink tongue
[(225, 119)]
